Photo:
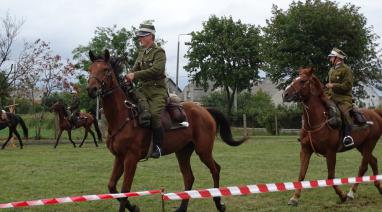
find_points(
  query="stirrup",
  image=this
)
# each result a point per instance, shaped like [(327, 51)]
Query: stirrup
[(347, 144), (157, 153)]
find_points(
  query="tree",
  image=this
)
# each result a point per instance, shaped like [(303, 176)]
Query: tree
[(45, 71), (226, 53), (121, 43), (304, 35), (10, 28)]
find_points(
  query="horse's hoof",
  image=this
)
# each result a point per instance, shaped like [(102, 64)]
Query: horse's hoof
[(134, 208), (350, 196), (293, 202), (180, 210), (222, 207)]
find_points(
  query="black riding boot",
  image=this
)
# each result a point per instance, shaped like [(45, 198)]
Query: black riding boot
[(158, 134), (348, 140)]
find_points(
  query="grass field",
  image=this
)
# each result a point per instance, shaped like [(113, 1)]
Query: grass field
[(39, 171)]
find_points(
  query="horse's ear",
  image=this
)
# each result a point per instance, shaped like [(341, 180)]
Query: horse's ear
[(107, 55), (91, 55)]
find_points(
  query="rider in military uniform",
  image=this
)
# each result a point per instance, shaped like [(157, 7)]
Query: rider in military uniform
[(340, 90), (149, 70), (74, 108)]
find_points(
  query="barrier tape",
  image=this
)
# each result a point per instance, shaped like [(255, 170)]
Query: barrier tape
[(85, 198), (264, 188), (204, 193)]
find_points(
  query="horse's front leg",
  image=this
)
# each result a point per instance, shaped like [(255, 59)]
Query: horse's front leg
[(58, 138), (331, 164), (305, 154), (116, 174), (9, 138), (130, 165)]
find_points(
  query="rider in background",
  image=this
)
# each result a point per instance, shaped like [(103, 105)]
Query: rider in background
[(74, 108), (340, 90)]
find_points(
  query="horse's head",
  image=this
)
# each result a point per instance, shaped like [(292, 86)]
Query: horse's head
[(57, 107), (303, 87), (100, 74)]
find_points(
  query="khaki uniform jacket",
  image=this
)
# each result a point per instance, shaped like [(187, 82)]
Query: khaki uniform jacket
[(342, 79), (149, 68)]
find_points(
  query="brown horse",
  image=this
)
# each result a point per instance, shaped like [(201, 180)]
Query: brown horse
[(11, 123), (87, 121), (129, 143), (317, 136)]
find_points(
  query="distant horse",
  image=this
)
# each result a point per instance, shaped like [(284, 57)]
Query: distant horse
[(317, 136), (14, 120), (86, 122), (129, 143)]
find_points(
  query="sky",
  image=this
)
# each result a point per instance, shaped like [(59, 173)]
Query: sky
[(66, 24)]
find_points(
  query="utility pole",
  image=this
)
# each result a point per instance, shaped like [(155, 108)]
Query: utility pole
[(177, 61)]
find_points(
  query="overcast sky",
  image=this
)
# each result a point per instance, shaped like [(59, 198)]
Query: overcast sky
[(65, 24)]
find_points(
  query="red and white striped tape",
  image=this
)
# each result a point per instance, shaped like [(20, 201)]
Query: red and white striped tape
[(85, 198), (205, 193), (264, 188)]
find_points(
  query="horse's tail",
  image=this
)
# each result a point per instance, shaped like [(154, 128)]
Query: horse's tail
[(225, 128), (22, 123), (99, 134)]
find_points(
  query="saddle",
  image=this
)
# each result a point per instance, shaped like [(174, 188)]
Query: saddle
[(359, 119), (174, 116)]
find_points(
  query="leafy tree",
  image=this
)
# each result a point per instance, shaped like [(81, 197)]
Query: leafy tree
[(121, 44), (226, 53), (305, 33), (4, 90)]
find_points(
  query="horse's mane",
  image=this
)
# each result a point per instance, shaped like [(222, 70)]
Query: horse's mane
[(319, 86)]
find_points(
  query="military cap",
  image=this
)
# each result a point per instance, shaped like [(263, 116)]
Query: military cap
[(337, 53), (145, 29)]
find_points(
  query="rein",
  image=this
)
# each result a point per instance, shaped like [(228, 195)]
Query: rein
[(314, 129)]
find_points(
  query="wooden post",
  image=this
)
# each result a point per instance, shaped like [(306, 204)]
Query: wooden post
[(245, 124), (277, 133)]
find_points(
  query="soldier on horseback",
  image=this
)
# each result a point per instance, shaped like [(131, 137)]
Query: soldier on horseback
[(74, 109), (339, 90), (149, 70)]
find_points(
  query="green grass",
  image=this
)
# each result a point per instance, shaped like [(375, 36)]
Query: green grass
[(39, 171)]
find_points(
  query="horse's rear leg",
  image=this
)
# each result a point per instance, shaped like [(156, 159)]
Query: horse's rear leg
[(70, 138), (86, 135), (18, 137), (374, 166), (184, 156), (367, 157), (305, 155), (94, 139), (214, 167), (9, 138)]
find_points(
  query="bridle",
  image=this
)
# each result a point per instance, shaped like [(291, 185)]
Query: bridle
[(105, 82)]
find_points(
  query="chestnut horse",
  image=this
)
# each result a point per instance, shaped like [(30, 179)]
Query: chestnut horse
[(129, 143), (317, 136), (65, 124)]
